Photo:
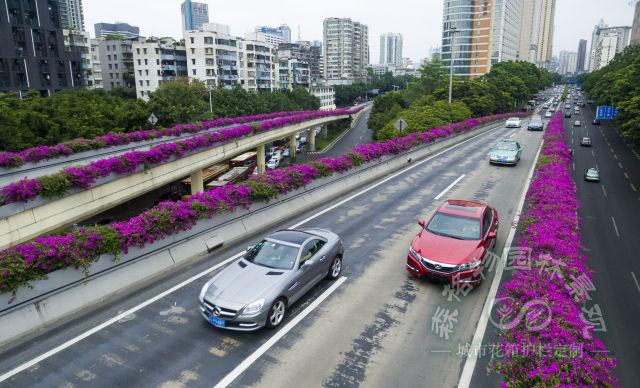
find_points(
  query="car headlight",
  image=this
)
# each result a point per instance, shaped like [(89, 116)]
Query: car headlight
[(511, 158), (254, 307), (471, 265), (204, 290), (414, 254)]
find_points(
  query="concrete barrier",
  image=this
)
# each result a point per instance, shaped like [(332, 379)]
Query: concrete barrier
[(67, 291), (25, 221)]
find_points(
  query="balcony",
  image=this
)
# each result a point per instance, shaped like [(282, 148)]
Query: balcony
[(167, 57), (168, 67)]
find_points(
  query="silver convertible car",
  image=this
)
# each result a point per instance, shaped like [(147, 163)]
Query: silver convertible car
[(257, 289)]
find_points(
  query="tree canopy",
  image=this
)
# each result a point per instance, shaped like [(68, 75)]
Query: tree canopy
[(618, 84), (67, 115)]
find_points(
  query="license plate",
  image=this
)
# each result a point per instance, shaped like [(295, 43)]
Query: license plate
[(215, 321)]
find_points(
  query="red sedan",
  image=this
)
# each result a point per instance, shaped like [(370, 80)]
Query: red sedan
[(453, 245)]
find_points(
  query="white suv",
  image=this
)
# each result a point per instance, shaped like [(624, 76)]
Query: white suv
[(514, 122)]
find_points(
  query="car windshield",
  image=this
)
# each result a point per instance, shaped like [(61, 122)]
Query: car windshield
[(273, 255), (449, 225), (505, 147)]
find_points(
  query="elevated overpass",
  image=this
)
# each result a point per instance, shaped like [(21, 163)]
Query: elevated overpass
[(21, 222)]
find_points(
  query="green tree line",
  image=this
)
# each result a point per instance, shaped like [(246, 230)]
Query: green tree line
[(71, 114), (424, 102), (618, 84), (347, 94)]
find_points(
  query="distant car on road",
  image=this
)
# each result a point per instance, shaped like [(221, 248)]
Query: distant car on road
[(567, 114), (453, 245), (513, 122), (585, 141), (258, 289), (273, 163), (592, 175), (505, 152), (577, 123), (548, 115), (535, 124)]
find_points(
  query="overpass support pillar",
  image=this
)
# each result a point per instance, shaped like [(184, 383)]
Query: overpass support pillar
[(312, 139), (261, 157), (292, 148), (325, 131), (197, 185)]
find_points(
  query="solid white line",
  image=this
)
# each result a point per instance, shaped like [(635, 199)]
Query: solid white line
[(512, 135), (574, 166), (113, 320), (593, 153), (615, 226), (450, 186), (470, 362), (636, 281), (247, 362), (144, 304), (604, 191)]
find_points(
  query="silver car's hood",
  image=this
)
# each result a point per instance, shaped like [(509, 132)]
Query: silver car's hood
[(244, 285)]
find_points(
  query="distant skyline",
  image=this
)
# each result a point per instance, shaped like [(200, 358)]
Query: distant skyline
[(419, 21)]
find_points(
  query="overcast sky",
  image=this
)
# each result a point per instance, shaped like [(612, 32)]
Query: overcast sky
[(419, 21)]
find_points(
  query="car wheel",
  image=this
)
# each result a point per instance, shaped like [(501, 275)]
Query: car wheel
[(336, 268), (277, 313)]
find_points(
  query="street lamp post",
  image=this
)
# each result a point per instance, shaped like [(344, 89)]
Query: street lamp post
[(452, 32), (210, 102)]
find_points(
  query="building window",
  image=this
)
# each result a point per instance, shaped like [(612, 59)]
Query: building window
[(147, 82), (194, 71), (141, 84), (110, 66), (144, 50), (116, 65), (108, 48), (193, 61), (158, 62), (115, 57), (146, 62), (208, 40), (109, 57), (193, 51), (138, 51), (147, 72), (192, 40), (139, 62)]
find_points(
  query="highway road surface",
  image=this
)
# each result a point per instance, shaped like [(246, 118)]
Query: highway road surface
[(375, 327)]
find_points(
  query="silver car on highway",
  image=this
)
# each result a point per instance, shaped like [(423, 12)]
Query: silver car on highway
[(257, 289)]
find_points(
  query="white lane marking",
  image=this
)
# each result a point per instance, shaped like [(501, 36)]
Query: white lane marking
[(113, 320), (604, 191), (615, 226), (512, 135), (470, 362), (635, 279), (574, 166), (450, 186), (593, 153), (247, 362), (110, 322)]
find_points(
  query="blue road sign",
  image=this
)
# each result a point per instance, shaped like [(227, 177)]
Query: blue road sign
[(606, 113)]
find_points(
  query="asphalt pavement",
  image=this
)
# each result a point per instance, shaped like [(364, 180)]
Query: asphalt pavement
[(610, 213), (380, 328)]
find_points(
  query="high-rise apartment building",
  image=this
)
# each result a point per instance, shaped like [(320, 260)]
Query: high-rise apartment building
[(71, 15), (304, 51), (544, 41), (635, 31), (292, 73), (486, 32), (32, 53), (391, 49), (95, 74), (194, 15), (156, 61), (272, 35), (345, 50), (582, 55), (78, 42), (125, 30), (617, 38), (116, 62), (568, 62), (220, 59)]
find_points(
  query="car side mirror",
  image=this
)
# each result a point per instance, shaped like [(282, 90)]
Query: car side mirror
[(492, 235), (422, 223)]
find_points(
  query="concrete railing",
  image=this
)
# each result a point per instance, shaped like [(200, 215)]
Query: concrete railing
[(67, 291), (21, 222)]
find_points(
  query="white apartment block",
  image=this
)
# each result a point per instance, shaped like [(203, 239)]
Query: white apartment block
[(391, 49), (95, 69), (345, 50), (292, 73), (326, 95), (156, 61), (599, 55), (219, 59)]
